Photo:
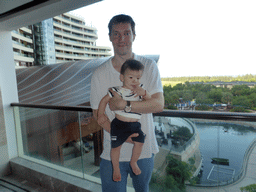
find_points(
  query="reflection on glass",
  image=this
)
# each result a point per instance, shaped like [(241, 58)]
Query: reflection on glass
[(213, 151), (65, 138)]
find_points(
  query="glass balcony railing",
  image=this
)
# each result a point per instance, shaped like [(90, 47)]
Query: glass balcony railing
[(67, 139), (214, 146)]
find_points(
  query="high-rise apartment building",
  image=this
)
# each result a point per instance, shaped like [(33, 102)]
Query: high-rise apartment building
[(63, 38), (23, 48)]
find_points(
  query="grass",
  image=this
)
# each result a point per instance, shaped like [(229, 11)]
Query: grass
[(172, 83)]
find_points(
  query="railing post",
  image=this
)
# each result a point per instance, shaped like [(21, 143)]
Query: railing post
[(97, 141), (18, 131)]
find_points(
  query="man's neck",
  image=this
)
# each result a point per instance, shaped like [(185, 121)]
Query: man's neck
[(118, 61)]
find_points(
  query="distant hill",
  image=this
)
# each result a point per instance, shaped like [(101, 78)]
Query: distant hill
[(246, 78)]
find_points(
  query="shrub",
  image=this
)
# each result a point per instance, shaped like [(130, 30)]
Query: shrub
[(172, 107), (179, 170), (183, 132), (203, 108), (239, 109), (249, 188)]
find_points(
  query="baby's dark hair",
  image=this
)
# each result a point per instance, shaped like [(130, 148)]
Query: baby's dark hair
[(133, 65)]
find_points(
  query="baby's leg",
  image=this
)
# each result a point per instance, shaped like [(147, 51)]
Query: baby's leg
[(135, 157), (115, 154)]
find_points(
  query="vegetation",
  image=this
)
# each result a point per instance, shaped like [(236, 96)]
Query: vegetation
[(247, 78), (249, 188), (240, 96), (183, 132), (177, 173)]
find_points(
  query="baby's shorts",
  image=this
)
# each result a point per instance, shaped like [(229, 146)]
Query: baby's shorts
[(120, 131)]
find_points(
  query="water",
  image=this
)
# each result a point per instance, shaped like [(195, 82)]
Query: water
[(233, 142)]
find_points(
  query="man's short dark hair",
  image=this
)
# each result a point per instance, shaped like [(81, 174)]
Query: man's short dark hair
[(133, 65), (121, 19)]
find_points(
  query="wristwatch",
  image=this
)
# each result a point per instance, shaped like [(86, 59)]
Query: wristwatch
[(128, 107)]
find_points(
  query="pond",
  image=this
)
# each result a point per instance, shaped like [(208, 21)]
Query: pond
[(229, 141)]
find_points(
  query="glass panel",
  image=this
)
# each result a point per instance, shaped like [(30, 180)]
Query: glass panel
[(68, 139), (91, 143), (46, 133), (213, 151)]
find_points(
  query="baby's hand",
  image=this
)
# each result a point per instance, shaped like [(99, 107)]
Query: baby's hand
[(139, 91), (102, 119)]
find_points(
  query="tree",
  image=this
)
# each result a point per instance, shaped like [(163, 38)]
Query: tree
[(226, 97), (180, 171), (201, 98), (183, 132), (242, 101), (171, 98), (179, 86), (207, 88), (252, 99), (187, 96), (215, 95), (239, 90), (167, 88)]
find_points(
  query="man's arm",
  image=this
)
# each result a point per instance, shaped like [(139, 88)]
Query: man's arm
[(105, 125), (153, 105), (102, 105)]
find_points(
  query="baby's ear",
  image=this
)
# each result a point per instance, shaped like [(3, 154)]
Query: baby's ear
[(121, 77)]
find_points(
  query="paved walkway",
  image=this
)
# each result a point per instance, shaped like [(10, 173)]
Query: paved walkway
[(248, 179)]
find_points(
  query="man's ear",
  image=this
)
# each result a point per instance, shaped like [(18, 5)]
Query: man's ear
[(134, 35)]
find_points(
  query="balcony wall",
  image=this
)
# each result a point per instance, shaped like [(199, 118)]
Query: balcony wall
[(4, 158)]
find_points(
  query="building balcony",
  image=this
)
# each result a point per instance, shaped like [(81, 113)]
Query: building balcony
[(75, 56), (71, 42), (23, 47), (75, 30), (56, 120), (74, 36), (78, 24), (23, 57), (25, 38), (26, 30)]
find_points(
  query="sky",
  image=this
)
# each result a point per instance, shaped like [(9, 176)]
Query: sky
[(192, 37)]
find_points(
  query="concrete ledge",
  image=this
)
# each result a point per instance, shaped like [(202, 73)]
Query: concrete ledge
[(49, 178)]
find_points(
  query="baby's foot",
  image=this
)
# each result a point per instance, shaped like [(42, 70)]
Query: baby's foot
[(116, 175), (135, 168)]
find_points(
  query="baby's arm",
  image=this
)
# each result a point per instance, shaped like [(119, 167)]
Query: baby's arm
[(102, 118)]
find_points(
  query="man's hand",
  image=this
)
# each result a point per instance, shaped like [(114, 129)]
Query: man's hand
[(116, 102), (129, 140)]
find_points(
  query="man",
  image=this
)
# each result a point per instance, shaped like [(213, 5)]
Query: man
[(122, 35)]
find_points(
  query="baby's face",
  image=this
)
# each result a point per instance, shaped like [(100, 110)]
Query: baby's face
[(131, 78)]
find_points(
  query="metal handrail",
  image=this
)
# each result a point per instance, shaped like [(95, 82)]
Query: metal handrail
[(167, 113), (209, 115), (57, 107)]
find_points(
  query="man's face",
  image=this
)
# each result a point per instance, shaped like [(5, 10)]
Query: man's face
[(122, 38)]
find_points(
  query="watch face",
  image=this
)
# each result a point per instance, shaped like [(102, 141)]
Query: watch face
[(127, 109)]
